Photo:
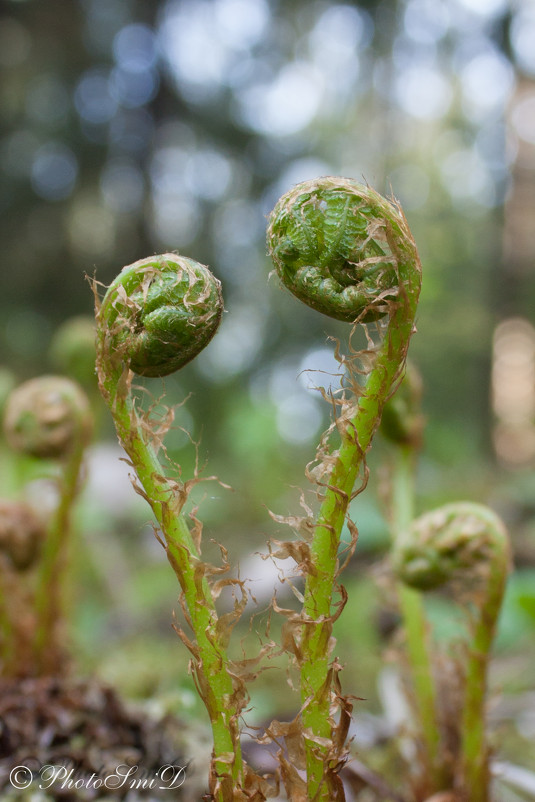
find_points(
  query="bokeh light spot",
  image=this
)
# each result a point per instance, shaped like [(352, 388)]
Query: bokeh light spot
[(91, 228), (93, 99), (54, 171), (487, 81), (287, 104), (485, 8), (241, 23), (175, 220), (298, 418), (207, 174), (426, 21), (236, 346), (423, 92), (466, 177), (132, 88), (122, 186), (134, 48), (190, 43), (319, 368), (344, 27)]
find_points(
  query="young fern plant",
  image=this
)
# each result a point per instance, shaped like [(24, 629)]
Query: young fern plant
[(347, 252), (465, 546), (156, 316), (49, 418)]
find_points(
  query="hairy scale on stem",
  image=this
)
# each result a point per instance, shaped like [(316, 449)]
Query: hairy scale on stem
[(346, 251)]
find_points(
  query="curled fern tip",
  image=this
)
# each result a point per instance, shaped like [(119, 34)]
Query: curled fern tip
[(159, 313), (337, 245)]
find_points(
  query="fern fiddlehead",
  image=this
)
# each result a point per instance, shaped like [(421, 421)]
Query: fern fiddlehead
[(50, 418), (161, 313), (156, 316), (346, 251), (466, 544), (46, 417), (331, 251)]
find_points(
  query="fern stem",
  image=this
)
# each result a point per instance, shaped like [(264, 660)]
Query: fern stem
[(416, 629), (315, 687), (53, 570), (212, 665), (157, 315)]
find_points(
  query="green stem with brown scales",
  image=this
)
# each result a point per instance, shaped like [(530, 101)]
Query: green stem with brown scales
[(347, 252), (212, 666), (156, 316), (475, 753)]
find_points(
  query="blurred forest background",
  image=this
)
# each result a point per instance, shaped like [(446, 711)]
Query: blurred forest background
[(132, 127)]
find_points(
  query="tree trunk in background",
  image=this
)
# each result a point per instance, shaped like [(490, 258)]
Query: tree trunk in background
[(519, 231), (513, 369)]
